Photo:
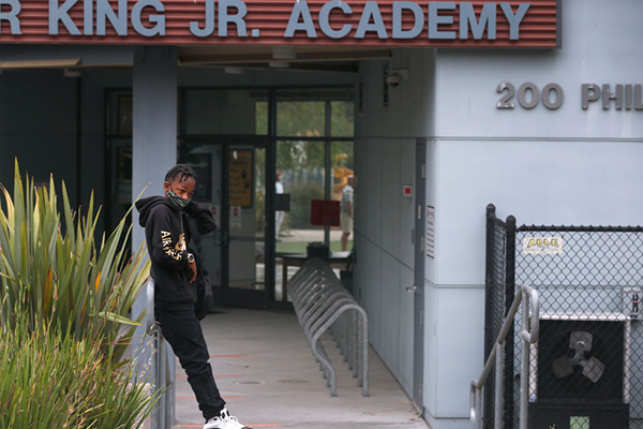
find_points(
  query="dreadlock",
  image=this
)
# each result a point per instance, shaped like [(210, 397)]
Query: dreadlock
[(180, 172)]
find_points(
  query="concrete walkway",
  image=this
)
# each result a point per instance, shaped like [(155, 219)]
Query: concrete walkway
[(266, 372)]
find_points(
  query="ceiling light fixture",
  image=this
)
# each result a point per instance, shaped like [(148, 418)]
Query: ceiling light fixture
[(284, 52), (72, 73), (233, 70), (278, 65)]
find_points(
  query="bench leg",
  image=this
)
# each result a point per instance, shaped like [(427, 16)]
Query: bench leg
[(284, 280)]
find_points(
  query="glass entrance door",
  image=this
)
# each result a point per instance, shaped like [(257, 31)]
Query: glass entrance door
[(266, 154), (232, 183), (207, 162), (245, 225)]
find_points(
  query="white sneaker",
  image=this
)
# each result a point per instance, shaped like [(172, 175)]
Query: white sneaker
[(224, 421)]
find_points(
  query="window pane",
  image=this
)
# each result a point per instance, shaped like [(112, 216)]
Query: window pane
[(301, 166), (233, 111), (301, 118), (246, 193), (301, 175), (120, 113), (261, 117), (342, 118), (342, 156)]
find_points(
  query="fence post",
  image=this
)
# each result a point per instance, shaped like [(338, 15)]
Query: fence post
[(489, 310), (510, 291)]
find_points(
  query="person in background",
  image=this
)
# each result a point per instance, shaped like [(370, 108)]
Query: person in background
[(279, 215), (347, 212), (174, 272)]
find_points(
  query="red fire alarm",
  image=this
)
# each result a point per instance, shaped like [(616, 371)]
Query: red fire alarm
[(407, 191)]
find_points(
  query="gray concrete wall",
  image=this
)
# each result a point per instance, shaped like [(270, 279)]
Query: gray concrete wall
[(383, 234), (564, 166), (155, 95), (39, 122), (94, 87), (38, 117), (38, 127), (385, 161)]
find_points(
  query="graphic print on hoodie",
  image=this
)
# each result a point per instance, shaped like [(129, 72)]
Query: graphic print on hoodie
[(166, 237)]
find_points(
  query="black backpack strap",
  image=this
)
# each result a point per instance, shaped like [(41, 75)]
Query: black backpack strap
[(193, 227)]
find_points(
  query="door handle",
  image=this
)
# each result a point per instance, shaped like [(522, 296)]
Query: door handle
[(413, 289)]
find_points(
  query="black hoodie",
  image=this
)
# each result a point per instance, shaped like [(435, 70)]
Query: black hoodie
[(167, 235)]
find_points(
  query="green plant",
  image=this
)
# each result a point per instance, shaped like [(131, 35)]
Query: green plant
[(59, 382), (260, 216), (60, 278)]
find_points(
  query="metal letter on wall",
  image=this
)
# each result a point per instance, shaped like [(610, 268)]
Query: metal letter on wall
[(638, 99), (515, 19), (435, 19), (238, 19), (522, 97), (559, 96), (104, 12), (468, 19), (208, 28), (384, 24), (371, 10), (608, 96), (589, 92), (324, 23), (11, 15), (61, 14), (398, 8), (159, 20), (300, 10)]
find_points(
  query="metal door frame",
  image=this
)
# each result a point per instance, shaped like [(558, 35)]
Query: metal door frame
[(420, 263), (225, 294), (241, 297)]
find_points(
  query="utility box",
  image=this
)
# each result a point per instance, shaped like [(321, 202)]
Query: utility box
[(580, 372), (632, 302)]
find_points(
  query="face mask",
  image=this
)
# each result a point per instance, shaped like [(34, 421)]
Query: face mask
[(176, 200)]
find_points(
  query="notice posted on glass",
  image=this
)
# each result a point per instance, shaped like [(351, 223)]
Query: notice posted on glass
[(430, 232)]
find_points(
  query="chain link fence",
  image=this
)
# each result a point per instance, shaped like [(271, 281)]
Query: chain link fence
[(586, 371)]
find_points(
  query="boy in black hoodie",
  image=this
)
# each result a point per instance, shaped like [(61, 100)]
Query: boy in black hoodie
[(174, 271)]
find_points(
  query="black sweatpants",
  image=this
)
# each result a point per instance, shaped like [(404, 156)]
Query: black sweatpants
[(183, 331)]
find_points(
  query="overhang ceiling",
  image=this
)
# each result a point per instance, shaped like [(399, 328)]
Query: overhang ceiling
[(307, 58), (300, 58)]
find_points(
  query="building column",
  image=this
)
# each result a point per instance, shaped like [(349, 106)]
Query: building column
[(155, 118), (154, 153)]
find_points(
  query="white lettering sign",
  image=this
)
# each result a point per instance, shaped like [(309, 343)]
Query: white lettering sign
[(542, 245), (430, 231), (97, 15), (620, 96)]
